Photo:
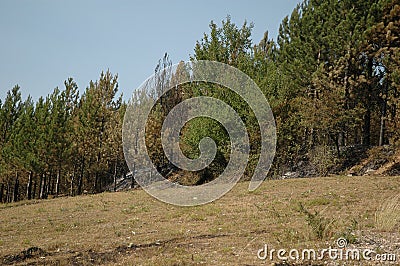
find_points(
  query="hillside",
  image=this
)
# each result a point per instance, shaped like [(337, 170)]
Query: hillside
[(131, 228)]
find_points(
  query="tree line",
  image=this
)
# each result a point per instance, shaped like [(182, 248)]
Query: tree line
[(62, 144), (332, 79)]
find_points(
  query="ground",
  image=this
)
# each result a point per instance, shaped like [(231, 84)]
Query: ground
[(132, 228)]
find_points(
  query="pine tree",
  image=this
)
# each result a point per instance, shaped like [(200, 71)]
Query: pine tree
[(92, 127), (383, 47)]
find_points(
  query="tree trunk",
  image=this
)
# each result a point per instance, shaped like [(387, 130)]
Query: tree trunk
[(133, 176), (71, 186), (80, 181), (53, 185), (96, 182), (34, 189), (48, 185), (342, 137), (8, 196), (40, 186), (356, 136), (1, 192), (43, 187), (58, 180), (115, 176), (29, 186), (382, 130), (367, 104), (337, 143), (383, 126), (367, 128), (16, 187)]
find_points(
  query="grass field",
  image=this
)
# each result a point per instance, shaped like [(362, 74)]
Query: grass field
[(132, 228)]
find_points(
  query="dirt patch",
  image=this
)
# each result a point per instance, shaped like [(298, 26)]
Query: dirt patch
[(380, 161), (32, 252), (37, 256), (392, 167)]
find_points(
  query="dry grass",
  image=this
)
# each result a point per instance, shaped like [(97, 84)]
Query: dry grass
[(387, 218), (132, 228)]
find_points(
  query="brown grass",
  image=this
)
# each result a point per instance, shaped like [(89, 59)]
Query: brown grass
[(387, 218), (132, 228)]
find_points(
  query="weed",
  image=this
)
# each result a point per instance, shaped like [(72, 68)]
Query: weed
[(307, 193), (319, 202), (26, 242), (41, 210), (349, 234), (197, 217), (104, 204), (61, 228), (320, 225)]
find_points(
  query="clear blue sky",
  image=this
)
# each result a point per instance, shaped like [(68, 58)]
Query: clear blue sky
[(44, 42)]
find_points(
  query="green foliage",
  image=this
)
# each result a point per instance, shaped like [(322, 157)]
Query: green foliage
[(331, 78), (320, 226), (228, 44), (43, 144)]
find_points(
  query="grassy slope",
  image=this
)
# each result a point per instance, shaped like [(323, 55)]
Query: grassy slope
[(133, 228)]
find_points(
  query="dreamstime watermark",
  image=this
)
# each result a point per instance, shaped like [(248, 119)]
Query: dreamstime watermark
[(197, 73), (341, 252)]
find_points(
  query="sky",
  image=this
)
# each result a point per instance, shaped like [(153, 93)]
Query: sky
[(44, 42)]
